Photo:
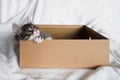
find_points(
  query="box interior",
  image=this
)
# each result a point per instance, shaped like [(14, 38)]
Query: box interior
[(70, 32)]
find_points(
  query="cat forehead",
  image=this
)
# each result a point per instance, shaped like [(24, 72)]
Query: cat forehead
[(29, 26)]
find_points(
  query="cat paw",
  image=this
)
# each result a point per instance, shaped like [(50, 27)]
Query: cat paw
[(38, 39), (49, 38)]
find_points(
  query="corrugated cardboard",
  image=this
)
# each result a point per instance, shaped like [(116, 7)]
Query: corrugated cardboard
[(73, 46)]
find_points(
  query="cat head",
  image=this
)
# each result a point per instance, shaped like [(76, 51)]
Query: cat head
[(26, 32)]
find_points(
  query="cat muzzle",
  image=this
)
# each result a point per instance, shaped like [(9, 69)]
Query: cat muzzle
[(36, 32)]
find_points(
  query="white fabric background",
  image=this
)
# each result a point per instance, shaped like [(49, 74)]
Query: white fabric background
[(100, 15)]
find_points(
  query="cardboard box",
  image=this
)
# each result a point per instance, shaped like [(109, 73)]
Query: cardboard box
[(73, 46)]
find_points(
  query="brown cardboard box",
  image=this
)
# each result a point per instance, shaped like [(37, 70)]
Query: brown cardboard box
[(73, 46)]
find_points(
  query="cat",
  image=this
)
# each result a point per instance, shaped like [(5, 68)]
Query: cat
[(30, 31)]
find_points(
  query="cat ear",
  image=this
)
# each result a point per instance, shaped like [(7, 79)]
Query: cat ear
[(15, 27), (28, 20)]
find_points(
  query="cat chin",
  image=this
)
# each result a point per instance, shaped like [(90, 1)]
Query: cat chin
[(31, 37)]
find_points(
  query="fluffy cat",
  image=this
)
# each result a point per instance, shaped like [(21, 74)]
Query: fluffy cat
[(30, 31)]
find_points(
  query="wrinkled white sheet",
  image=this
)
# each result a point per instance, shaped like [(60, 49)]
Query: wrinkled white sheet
[(102, 16)]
